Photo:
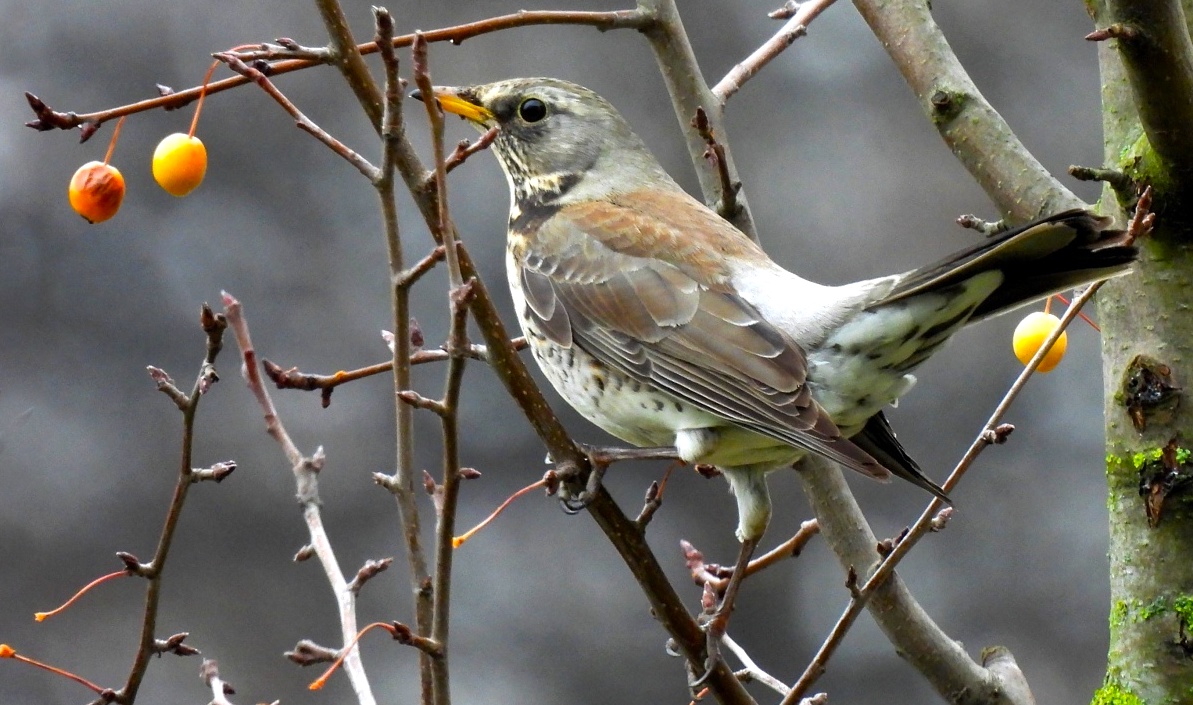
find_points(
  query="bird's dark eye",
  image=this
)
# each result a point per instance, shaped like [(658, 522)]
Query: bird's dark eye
[(532, 110)]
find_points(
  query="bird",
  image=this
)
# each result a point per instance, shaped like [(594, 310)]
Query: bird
[(664, 325)]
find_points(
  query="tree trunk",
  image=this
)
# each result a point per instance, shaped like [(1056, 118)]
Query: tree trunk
[(1147, 347)]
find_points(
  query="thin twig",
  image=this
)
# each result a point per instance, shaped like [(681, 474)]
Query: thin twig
[(49, 119), (689, 92), (301, 120), (718, 577), (348, 58), (213, 327), (306, 476), (460, 296), (449, 489), (465, 149), (402, 484), (985, 227), (793, 29), (726, 205), (421, 267), (294, 378), (210, 673), (445, 233), (752, 670)]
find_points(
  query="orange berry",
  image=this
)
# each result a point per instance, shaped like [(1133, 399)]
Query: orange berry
[(1030, 335), (96, 191), (179, 163)]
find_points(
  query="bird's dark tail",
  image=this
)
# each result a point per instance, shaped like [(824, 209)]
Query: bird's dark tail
[(1053, 254), (878, 439)]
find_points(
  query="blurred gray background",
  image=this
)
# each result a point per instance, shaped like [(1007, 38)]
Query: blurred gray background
[(847, 180)]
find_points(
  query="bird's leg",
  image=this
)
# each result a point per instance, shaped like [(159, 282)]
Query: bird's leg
[(716, 626), (753, 513), (600, 457)]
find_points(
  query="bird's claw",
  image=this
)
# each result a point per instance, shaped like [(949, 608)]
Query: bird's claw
[(574, 502), (714, 629)]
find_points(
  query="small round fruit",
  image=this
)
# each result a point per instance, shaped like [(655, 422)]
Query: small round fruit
[(1030, 335), (96, 191), (179, 163)]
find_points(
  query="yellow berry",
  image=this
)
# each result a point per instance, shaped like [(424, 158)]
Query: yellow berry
[(179, 163), (1030, 335), (96, 191)]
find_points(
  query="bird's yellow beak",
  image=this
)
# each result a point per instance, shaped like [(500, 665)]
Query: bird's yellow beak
[(451, 101)]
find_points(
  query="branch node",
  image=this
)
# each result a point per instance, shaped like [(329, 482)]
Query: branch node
[(134, 566), (418, 401), (727, 206), (946, 105), (173, 645), (389, 482), (941, 520), (999, 434), (786, 12), (165, 385), (369, 570), (985, 227), (307, 652), (851, 584), (405, 635), (1118, 180), (1118, 30), (215, 473)]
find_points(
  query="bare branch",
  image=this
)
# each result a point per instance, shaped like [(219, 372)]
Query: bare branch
[(689, 93), (220, 690), (751, 669), (348, 59), (1000, 662), (306, 471), (718, 576), (303, 122), (397, 151), (794, 28), (213, 327), (294, 378), (173, 645), (465, 149), (49, 119), (978, 136), (985, 227), (1157, 53), (727, 205)]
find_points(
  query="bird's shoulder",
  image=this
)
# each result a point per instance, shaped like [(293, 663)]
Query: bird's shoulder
[(664, 226)]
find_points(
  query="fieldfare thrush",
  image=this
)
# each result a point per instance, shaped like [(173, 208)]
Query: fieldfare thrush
[(664, 325)]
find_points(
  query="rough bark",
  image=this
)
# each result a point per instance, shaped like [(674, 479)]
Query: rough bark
[(1147, 314)]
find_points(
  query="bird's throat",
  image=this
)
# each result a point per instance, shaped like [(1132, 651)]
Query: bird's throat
[(536, 198)]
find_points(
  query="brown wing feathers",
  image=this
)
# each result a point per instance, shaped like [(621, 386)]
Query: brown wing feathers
[(695, 340)]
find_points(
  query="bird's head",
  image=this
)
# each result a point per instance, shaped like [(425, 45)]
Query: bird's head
[(557, 141)]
